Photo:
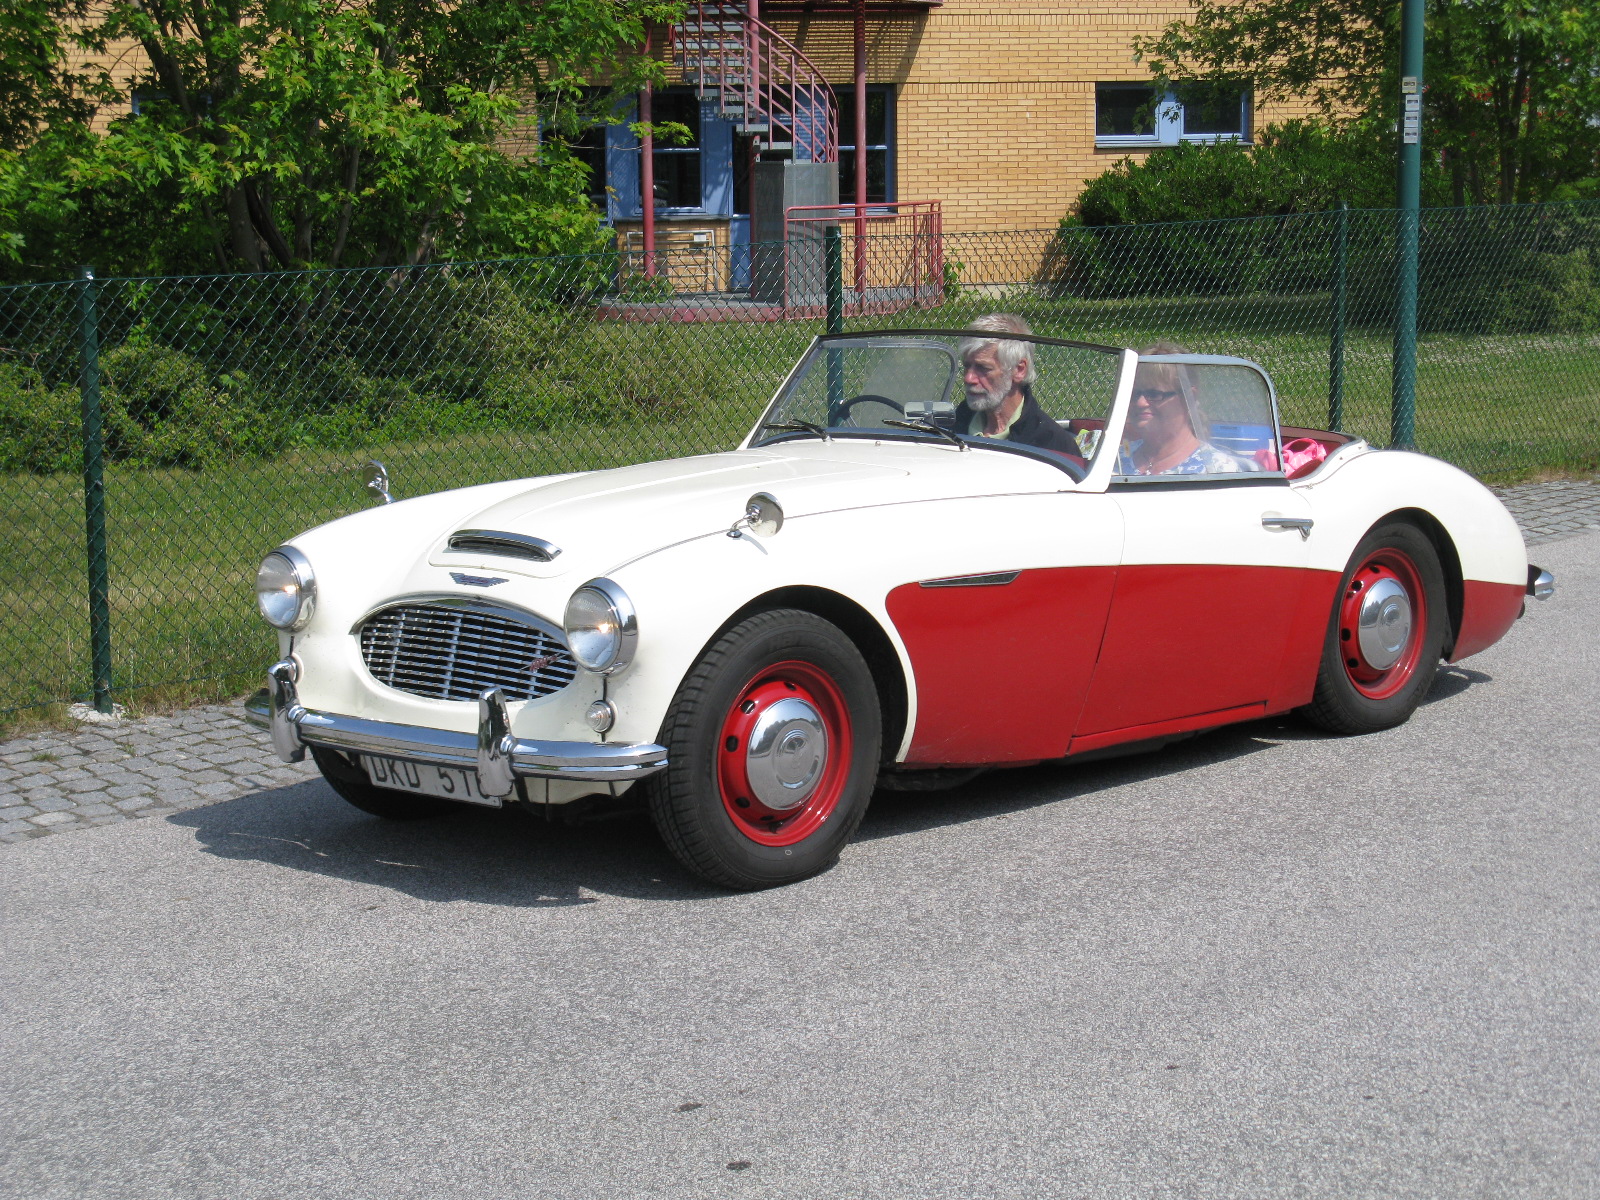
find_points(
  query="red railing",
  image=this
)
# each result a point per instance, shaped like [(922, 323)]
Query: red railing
[(764, 83)]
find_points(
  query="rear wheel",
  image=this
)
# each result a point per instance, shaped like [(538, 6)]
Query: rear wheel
[(1385, 635), (772, 751), (351, 783)]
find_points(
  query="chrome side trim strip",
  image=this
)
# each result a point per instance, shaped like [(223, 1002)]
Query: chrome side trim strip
[(598, 761), (992, 579), (506, 545)]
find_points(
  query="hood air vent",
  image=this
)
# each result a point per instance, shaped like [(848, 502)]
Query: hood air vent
[(504, 545)]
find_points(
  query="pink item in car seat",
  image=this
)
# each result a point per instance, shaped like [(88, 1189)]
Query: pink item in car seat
[(1301, 456)]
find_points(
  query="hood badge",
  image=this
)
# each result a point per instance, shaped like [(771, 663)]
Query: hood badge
[(462, 577)]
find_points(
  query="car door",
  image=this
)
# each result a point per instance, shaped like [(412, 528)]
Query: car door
[(1002, 655), (1213, 579)]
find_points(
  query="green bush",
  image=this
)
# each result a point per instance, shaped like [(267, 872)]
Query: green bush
[(1297, 167), (1490, 270), (41, 428)]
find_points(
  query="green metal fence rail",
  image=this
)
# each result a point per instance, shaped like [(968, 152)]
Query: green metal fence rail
[(235, 411)]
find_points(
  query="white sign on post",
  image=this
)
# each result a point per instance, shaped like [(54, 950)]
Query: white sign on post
[(1411, 113)]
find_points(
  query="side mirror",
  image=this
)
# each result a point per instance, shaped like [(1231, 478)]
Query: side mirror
[(376, 477), (763, 516)]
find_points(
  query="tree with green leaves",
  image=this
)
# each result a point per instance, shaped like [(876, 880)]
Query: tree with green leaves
[(1512, 108), (273, 134)]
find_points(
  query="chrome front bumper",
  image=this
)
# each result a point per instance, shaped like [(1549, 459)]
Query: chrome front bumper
[(493, 752)]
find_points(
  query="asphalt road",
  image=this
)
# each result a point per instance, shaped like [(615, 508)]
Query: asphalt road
[(1262, 964)]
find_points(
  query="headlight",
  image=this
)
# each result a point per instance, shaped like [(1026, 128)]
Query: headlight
[(286, 590), (600, 626)]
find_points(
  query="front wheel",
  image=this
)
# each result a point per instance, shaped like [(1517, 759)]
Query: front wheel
[(1385, 635), (772, 746)]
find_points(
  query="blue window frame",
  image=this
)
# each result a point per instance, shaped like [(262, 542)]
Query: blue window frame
[(691, 180)]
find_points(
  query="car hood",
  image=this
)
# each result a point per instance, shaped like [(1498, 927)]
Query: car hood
[(603, 519)]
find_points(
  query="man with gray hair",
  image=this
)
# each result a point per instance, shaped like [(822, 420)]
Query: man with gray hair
[(998, 374)]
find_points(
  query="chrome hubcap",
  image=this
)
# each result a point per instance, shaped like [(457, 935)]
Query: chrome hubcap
[(1385, 624), (786, 752)]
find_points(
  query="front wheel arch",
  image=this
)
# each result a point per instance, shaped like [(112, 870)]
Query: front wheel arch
[(862, 628)]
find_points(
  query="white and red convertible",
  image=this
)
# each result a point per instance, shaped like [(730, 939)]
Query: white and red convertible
[(877, 589)]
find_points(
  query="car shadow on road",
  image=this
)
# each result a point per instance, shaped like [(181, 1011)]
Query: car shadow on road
[(486, 856), (516, 858), (1453, 680), (1011, 790)]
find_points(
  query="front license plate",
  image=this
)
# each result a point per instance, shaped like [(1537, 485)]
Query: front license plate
[(448, 783)]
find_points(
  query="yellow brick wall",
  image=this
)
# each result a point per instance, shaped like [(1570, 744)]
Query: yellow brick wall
[(995, 99), (995, 109)]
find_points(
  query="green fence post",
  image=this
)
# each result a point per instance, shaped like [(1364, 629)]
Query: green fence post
[(833, 264), (94, 490), (1403, 409), (1341, 268)]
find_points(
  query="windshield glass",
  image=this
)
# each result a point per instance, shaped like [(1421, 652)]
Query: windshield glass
[(1033, 395), (1198, 415)]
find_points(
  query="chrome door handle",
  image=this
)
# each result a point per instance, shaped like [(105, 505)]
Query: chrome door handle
[(1303, 524)]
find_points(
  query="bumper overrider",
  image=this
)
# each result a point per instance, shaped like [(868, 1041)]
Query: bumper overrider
[(498, 757)]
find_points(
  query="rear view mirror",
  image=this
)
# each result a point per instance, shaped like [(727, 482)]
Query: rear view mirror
[(376, 477)]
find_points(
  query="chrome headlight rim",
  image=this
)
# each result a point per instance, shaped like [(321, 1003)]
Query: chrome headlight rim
[(305, 586), (623, 618)]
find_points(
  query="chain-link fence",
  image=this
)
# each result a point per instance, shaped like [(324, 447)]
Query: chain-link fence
[(238, 410)]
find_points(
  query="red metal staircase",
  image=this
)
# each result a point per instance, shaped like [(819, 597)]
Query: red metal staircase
[(761, 81)]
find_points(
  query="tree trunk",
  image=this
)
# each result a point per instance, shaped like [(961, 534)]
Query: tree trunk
[(352, 175), (241, 230), (261, 217)]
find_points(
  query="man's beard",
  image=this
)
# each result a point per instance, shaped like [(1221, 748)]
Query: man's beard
[(987, 399)]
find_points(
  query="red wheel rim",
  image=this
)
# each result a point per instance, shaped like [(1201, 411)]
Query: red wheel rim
[(1381, 655), (820, 763)]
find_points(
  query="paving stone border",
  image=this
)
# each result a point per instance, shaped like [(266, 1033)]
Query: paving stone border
[(1548, 511), (150, 767)]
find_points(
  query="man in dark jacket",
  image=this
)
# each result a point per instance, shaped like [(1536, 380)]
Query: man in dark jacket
[(998, 373)]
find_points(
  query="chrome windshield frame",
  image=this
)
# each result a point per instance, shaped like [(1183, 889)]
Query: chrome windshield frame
[(918, 338)]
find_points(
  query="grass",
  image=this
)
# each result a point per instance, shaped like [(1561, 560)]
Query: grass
[(184, 544)]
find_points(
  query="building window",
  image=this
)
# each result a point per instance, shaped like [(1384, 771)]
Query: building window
[(1125, 110), (589, 148), (880, 144), (1133, 115), (677, 167)]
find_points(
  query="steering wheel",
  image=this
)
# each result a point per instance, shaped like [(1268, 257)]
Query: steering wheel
[(868, 405)]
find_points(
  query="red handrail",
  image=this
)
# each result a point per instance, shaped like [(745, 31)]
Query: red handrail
[(760, 76)]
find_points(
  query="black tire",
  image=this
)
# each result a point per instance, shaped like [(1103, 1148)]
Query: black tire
[(728, 815), (1358, 690), (352, 784)]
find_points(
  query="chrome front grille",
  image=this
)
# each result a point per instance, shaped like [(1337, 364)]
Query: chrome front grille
[(453, 650)]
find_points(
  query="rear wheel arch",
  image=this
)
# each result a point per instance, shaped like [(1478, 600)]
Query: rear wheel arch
[(862, 628), (1449, 563)]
